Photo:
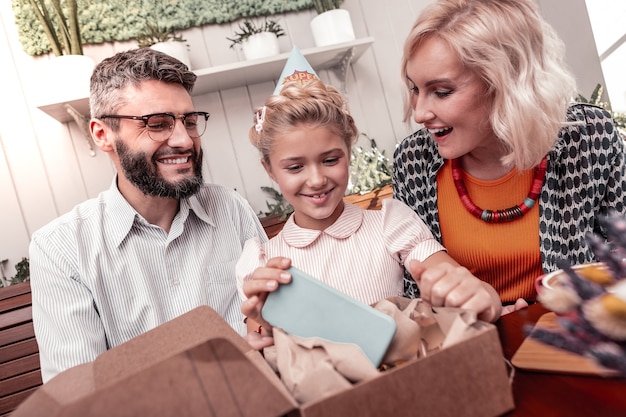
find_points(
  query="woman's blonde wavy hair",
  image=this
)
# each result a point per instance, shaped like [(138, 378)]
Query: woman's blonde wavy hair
[(310, 103), (520, 59)]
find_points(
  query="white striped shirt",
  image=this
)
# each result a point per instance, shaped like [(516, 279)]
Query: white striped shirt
[(362, 254), (101, 274)]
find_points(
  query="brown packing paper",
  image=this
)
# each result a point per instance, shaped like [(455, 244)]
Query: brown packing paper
[(467, 379), (313, 368), (407, 341), (423, 329)]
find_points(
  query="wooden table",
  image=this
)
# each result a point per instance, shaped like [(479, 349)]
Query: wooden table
[(557, 395)]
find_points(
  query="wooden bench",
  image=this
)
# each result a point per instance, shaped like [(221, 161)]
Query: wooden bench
[(19, 355)]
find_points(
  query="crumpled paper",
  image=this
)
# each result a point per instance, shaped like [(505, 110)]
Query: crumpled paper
[(423, 329), (313, 368)]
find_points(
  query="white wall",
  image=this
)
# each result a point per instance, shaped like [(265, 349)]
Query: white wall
[(46, 167), (607, 17)]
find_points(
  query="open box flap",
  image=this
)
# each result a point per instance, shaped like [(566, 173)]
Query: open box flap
[(63, 389), (183, 364), (173, 337), (214, 379)]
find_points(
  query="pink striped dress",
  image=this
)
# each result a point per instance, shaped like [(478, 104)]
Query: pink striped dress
[(362, 254)]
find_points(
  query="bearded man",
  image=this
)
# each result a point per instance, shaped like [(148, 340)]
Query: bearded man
[(159, 242)]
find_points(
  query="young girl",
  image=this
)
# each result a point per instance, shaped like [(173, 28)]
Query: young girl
[(305, 134)]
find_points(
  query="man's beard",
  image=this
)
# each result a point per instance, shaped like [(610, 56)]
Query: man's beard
[(144, 174)]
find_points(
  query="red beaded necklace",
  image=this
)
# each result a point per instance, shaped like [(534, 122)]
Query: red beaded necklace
[(499, 216)]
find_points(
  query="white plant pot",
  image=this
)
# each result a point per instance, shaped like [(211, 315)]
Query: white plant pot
[(174, 48), (260, 45), (66, 78), (331, 27)]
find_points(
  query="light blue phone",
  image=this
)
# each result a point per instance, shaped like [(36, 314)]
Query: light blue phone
[(307, 307)]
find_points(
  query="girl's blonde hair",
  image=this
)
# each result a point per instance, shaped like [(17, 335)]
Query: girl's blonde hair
[(302, 103), (520, 59)]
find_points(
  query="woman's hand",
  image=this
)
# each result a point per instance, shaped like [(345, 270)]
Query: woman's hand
[(447, 284)]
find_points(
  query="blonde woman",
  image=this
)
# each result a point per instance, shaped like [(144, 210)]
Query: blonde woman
[(508, 174)]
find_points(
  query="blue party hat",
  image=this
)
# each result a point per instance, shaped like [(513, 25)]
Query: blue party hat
[(297, 68)]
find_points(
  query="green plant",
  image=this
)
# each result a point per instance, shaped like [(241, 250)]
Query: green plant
[(596, 99), (281, 206), (369, 169), (60, 25), (124, 20), (155, 34), (249, 28), (322, 6), (23, 273)]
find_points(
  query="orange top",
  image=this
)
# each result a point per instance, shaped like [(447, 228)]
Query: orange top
[(506, 255)]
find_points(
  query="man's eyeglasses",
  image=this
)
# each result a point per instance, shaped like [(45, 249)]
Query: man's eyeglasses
[(161, 125)]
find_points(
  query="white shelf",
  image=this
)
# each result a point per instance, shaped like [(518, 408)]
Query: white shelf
[(61, 112), (241, 73), (268, 69)]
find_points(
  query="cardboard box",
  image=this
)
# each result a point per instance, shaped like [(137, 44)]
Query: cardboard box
[(196, 365)]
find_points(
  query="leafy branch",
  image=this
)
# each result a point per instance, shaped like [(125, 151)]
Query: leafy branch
[(322, 6), (155, 34), (62, 32), (596, 99), (281, 206), (23, 273), (369, 169)]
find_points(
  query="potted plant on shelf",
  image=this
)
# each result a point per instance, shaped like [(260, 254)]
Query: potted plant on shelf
[(154, 34), (166, 40), (258, 40), (70, 69), (331, 25)]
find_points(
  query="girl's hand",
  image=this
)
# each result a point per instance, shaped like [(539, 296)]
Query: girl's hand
[(449, 285), (258, 341), (264, 280)]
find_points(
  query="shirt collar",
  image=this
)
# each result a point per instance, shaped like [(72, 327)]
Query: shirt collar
[(345, 226), (192, 203), (122, 216)]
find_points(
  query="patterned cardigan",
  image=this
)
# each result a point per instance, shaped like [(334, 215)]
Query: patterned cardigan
[(585, 178)]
